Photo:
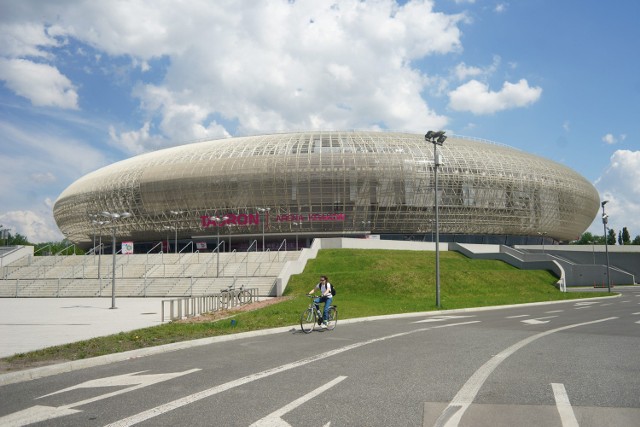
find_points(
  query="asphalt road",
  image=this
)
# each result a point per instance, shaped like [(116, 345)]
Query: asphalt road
[(556, 364)]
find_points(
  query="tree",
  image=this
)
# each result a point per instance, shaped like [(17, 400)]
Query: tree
[(585, 239), (620, 238), (17, 240), (611, 237), (626, 237), (636, 241), (589, 239)]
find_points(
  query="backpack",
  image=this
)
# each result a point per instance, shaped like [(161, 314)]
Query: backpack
[(333, 290)]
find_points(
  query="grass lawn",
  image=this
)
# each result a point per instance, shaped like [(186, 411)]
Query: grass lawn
[(368, 283)]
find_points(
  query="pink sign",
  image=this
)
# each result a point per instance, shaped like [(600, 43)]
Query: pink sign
[(254, 219)]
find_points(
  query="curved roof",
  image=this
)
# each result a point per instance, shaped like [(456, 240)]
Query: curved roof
[(379, 180)]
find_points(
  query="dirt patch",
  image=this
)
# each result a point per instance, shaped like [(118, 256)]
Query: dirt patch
[(223, 314)]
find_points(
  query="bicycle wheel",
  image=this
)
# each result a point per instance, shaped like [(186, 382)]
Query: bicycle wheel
[(333, 318), (244, 297), (308, 320)]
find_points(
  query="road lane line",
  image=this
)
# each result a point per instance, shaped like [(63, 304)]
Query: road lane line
[(515, 317), (274, 419), (567, 417), (452, 415), (178, 403)]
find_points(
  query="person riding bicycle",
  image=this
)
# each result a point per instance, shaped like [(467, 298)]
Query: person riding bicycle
[(325, 297)]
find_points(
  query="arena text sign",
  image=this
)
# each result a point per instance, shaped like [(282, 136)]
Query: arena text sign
[(254, 219)]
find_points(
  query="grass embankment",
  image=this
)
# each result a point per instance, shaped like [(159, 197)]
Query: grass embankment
[(369, 283)]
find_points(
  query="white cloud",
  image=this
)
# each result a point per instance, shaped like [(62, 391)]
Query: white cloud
[(36, 226), (620, 184), (273, 66), (477, 98), (42, 84), (26, 39), (462, 71), (501, 7)]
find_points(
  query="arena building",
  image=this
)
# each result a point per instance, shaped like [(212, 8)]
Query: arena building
[(291, 186)]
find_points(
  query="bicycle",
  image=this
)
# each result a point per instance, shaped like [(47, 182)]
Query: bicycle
[(230, 295), (313, 315)]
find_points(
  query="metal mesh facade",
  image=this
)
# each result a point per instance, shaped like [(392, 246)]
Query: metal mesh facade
[(331, 183)]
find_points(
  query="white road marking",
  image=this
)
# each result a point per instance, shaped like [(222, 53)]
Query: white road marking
[(274, 419), (40, 413), (440, 318), (178, 403), (453, 413), (636, 313), (567, 417), (534, 321), (516, 317), (586, 303), (554, 311)]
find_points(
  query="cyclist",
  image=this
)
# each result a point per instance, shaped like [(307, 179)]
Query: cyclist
[(325, 296)]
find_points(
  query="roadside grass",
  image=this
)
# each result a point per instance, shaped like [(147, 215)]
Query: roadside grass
[(368, 283)]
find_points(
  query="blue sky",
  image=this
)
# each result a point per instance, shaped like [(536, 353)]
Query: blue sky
[(84, 84)]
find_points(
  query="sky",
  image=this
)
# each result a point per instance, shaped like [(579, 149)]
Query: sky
[(84, 84)]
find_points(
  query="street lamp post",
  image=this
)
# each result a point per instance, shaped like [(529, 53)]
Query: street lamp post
[(229, 227), (542, 234), (265, 211), (605, 220), (175, 228), (115, 216), (437, 138), (297, 225), (95, 222), (217, 221), (4, 234)]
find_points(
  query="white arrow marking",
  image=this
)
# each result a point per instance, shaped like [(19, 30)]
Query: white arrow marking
[(534, 321), (41, 413), (440, 319), (274, 419)]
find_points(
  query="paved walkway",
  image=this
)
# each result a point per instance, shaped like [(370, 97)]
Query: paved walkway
[(28, 324)]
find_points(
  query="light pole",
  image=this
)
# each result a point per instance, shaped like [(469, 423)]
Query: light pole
[(99, 224), (115, 216), (297, 225), (265, 211), (229, 227), (175, 228), (605, 220), (542, 234), (4, 234), (437, 138), (217, 220)]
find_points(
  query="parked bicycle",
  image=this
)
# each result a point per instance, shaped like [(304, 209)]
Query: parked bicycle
[(231, 296), (312, 316)]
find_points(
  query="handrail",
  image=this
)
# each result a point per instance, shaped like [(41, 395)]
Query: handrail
[(255, 242), (284, 243), (186, 246), (65, 249), (92, 251), (44, 247), (159, 243)]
